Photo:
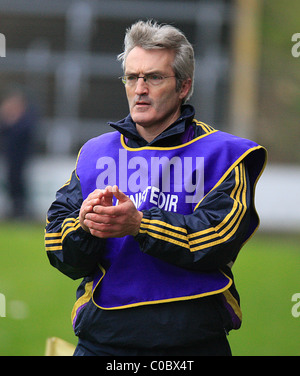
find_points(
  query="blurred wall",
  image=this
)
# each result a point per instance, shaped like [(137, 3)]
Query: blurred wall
[(247, 82), (65, 52)]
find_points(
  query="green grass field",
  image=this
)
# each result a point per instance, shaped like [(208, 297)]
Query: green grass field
[(39, 299)]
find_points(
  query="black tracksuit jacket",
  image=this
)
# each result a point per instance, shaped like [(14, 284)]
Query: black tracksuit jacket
[(167, 325)]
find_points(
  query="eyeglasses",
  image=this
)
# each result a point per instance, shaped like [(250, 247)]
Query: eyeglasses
[(152, 79)]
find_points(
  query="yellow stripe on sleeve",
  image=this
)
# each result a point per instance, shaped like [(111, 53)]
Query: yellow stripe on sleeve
[(53, 241)]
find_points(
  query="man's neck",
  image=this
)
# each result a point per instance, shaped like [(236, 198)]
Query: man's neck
[(150, 132)]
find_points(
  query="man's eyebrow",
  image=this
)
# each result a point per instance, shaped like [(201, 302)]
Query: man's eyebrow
[(145, 74)]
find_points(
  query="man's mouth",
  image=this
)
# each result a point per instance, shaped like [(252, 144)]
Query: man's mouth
[(142, 103)]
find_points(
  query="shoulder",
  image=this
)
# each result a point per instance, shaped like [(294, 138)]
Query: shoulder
[(227, 144), (95, 147), (202, 128), (224, 138), (109, 139), (103, 138)]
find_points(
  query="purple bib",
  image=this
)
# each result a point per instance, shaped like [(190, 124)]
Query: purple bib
[(173, 179)]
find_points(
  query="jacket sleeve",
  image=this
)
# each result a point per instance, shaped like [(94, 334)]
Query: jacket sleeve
[(69, 248), (211, 236)]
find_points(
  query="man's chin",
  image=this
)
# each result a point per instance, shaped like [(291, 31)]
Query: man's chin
[(142, 119)]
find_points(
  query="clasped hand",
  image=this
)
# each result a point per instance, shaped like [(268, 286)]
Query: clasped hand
[(99, 217)]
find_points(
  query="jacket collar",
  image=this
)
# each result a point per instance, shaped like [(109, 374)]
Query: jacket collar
[(127, 127)]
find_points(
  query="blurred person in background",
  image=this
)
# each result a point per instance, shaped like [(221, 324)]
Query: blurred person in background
[(17, 122), (155, 214)]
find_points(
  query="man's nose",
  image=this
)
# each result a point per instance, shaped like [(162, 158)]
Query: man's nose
[(141, 87)]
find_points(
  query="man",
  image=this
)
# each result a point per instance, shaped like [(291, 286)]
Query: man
[(18, 118), (154, 215)]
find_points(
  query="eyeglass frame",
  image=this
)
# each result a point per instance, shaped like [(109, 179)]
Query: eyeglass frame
[(145, 78)]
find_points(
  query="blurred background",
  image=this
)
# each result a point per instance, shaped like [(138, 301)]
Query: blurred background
[(59, 86)]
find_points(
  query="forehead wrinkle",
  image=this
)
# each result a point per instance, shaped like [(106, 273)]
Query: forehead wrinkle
[(145, 61)]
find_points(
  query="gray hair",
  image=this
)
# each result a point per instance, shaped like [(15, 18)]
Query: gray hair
[(150, 35)]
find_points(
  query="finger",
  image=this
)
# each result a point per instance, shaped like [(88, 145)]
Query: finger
[(97, 193), (100, 229), (108, 189), (91, 201), (82, 214), (106, 210), (103, 219), (87, 207), (101, 234), (107, 197), (105, 231), (119, 195)]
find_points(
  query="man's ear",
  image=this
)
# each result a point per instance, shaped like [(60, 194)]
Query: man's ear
[(185, 87)]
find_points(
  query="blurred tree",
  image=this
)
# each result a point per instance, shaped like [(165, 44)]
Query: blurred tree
[(279, 84)]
